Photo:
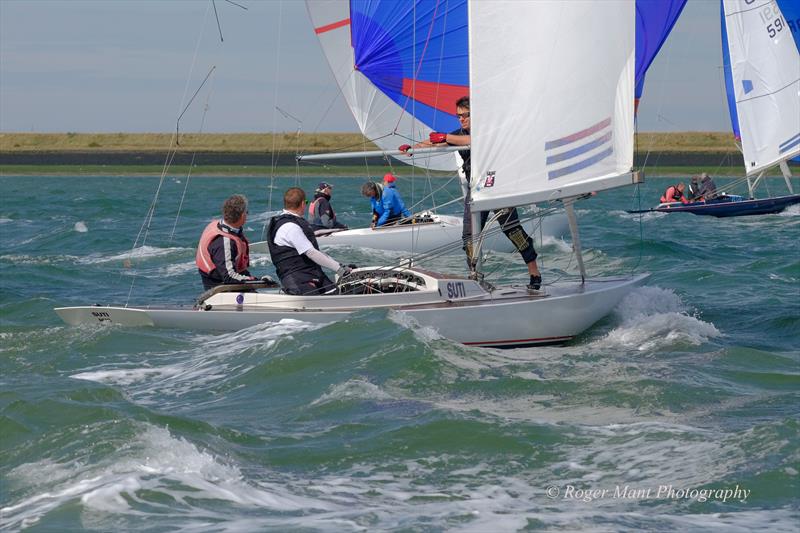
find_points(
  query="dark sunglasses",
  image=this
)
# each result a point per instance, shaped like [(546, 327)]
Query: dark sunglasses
[(463, 115)]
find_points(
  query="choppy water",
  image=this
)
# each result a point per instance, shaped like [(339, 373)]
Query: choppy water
[(682, 406)]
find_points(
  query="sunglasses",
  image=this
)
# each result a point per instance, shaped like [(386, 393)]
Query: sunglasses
[(463, 115)]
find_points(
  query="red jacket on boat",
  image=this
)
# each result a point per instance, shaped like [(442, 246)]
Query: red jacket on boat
[(672, 194)]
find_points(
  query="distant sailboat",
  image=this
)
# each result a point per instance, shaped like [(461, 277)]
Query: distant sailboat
[(553, 119), (761, 58)]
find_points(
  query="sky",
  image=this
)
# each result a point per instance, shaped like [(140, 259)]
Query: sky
[(132, 66)]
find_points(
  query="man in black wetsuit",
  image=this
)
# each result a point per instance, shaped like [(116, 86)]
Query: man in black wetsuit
[(508, 218)]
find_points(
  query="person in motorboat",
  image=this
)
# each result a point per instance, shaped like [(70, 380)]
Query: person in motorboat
[(321, 215), (223, 253), (295, 253), (508, 218), (674, 193), (387, 205)]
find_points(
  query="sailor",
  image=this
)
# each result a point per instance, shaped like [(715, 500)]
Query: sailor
[(708, 189), (694, 189), (674, 193), (320, 212), (223, 253), (387, 205), (508, 218), (295, 252)]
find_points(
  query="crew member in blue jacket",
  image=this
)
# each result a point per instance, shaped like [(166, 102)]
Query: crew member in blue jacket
[(387, 205)]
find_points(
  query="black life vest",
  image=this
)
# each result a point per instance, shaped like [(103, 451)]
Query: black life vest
[(287, 261)]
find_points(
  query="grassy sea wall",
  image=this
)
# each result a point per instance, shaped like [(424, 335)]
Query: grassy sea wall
[(274, 153)]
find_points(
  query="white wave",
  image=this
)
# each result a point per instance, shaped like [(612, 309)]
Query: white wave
[(425, 334), (653, 318), (80, 227), (177, 269), (5, 220), (557, 242), (791, 211), (645, 217), (214, 358), (153, 462), (142, 252), (22, 259), (353, 389)]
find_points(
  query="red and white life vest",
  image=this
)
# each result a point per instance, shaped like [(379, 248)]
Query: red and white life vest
[(203, 257)]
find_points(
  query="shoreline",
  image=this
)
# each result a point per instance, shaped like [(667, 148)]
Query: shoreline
[(146, 171)]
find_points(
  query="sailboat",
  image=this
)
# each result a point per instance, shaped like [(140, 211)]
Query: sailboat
[(553, 119), (761, 59), (400, 84)]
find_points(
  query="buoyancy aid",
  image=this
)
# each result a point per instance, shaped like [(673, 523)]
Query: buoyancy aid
[(212, 231), (285, 258), (672, 194), (315, 215)]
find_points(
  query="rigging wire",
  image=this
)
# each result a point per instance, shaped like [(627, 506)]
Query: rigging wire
[(191, 166), (144, 230)]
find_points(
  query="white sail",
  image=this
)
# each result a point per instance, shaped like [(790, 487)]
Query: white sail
[(765, 67), (552, 99), (379, 118)]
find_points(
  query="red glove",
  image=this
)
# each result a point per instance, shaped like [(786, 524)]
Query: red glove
[(437, 138), (404, 147)]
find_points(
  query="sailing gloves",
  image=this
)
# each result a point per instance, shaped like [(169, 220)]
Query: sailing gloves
[(437, 138), (404, 147), (344, 271)]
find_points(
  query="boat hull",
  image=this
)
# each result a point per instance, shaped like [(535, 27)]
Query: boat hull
[(730, 208), (444, 232), (504, 317)]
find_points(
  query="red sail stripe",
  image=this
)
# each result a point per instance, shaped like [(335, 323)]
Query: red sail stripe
[(332, 26), (441, 96)]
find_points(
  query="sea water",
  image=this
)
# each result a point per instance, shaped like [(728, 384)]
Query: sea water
[(678, 411)]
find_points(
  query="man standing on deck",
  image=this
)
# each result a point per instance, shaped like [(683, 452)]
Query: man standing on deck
[(508, 218), (223, 254), (295, 253)]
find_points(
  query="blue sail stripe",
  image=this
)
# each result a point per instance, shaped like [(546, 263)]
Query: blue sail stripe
[(789, 146), (553, 174), (793, 140), (569, 154)]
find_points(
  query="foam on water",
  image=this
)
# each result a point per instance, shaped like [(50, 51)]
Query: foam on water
[(210, 359), (123, 482), (142, 252), (80, 227), (352, 389), (655, 318)]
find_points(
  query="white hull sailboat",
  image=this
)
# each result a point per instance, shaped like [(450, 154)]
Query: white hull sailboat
[(552, 110), (437, 232), (510, 317)]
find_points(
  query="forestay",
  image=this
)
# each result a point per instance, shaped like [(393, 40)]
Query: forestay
[(552, 99), (763, 78), (390, 61)]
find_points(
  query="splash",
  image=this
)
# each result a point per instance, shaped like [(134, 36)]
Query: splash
[(80, 227), (654, 318)]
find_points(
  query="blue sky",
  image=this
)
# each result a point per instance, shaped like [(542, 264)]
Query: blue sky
[(130, 65)]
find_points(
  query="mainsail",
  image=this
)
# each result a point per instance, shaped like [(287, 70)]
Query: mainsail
[(552, 99), (762, 75), (402, 65)]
